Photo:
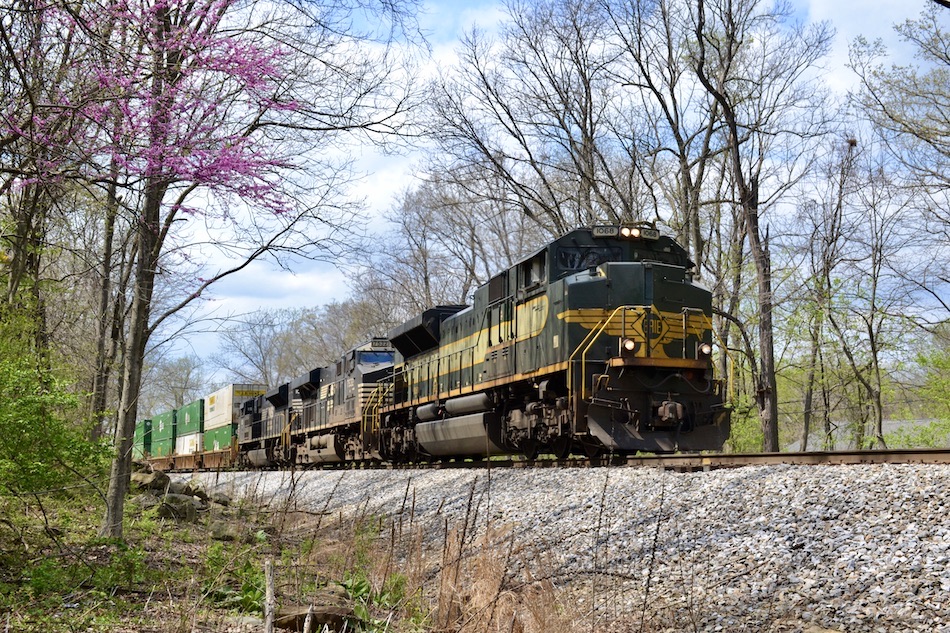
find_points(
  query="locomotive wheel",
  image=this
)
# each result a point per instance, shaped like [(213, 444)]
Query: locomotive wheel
[(530, 449), (561, 447)]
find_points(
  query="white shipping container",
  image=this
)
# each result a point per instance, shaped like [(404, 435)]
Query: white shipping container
[(224, 405), (187, 444)]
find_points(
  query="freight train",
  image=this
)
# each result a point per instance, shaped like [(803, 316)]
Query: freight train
[(599, 342)]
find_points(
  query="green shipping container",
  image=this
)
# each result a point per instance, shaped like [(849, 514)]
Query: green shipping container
[(218, 439), (190, 418), (163, 427), (142, 440), (163, 448)]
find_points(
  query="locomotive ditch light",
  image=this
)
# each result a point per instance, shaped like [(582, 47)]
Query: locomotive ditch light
[(705, 349), (628, 345)]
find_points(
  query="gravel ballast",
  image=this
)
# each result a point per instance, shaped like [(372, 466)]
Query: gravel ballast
[(777, 548)]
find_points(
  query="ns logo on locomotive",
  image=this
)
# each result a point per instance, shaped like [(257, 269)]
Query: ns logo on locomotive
[(601, 341)]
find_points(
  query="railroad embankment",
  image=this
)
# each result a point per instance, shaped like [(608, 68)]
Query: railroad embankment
[(779, 548)]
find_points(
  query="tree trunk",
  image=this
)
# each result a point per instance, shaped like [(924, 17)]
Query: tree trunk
[(147, 237), (100, 382), (766, 388), (148, 245), (809, 390), (747, 187), (874, 393), (125, 427)]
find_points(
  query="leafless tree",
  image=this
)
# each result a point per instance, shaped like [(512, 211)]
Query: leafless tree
[(448, 242), (761, 73), (909, 105), (824, 252), (172, 383), (874, 307), (531, 110), (677, 125)]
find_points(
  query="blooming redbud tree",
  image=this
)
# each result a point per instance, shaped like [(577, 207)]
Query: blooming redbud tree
[(213, 128)]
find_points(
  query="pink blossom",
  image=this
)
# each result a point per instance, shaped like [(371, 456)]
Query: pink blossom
[(181, 121)]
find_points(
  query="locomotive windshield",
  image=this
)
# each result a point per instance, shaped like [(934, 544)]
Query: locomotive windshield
[(376, 357), (577, 258)]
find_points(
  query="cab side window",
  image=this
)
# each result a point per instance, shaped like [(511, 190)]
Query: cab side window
[(533, 272)]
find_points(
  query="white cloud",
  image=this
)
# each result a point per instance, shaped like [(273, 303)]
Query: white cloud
[(262, 285), (444, 22)]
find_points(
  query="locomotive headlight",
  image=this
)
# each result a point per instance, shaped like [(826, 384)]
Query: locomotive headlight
[(629, 344), (705, 349), (629, 231)]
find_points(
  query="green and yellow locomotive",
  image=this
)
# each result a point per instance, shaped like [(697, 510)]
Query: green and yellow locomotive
[(599, 342)]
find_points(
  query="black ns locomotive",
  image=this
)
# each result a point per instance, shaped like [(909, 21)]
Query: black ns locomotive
[(601, 341)]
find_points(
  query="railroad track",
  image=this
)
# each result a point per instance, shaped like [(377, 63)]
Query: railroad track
[(678, 462), (698, 462), (813, 458)]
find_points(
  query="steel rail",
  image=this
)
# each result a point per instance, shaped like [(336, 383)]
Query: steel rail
[(674, 462)]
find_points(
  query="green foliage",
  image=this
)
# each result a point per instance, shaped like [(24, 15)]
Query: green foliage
[(368, 604), (43, 458), (393, 592), (936, 387), (71, 584), (934, 403), (373, 608), (50, 576), (364, 536), (935, 434), (100, 585), (746, 436), (126, 568), (114, 566), (39, 449), (234, 579)]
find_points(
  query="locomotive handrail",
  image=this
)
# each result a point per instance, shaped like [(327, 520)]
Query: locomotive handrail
[(430, 372), (686, 312), (374, 403), (593, 335), (585, 343), (647, 335), (725, 349)]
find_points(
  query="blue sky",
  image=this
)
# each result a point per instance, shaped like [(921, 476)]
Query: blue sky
[(262, 285)]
